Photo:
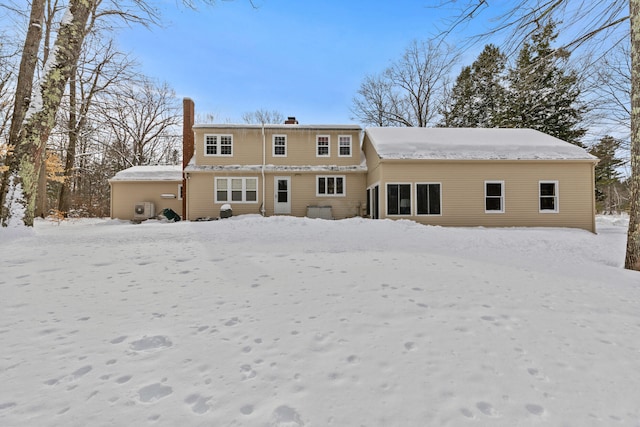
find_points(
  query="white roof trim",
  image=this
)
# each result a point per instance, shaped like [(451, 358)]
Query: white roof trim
[(276, 168)]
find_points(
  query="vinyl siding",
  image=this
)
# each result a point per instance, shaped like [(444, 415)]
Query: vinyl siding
[(201, 200), (301, 147), (462, 189)]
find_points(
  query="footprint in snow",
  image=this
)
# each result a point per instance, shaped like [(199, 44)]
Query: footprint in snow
[(7, 405), (246, 410), (151, 343), (154, 392), (487, 409), (467, 413), (410, 346), (199, 404), (123, 379), (118, 340), (285, 416), (535, 409), (247, 372)]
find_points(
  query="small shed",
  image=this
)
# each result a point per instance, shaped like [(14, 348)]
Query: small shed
[(160, 185)]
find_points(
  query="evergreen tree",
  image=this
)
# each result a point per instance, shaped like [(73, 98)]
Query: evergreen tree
[(477, 97), (607, 175), (543, 94)]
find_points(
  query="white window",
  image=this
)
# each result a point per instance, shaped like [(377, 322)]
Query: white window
[(322, 146), (218, 145), (398, 199), (236, 190), (279, 146), (330, 186), (494, 196), (548, 196), (428, 199), (344, 146)]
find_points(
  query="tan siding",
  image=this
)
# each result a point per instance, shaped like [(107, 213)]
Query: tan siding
[(303, 193), (124, 196), (301, 147), (373, 162), (201, 198), (463, 192)]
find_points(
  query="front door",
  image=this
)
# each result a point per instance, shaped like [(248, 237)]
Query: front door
[(282, 186)]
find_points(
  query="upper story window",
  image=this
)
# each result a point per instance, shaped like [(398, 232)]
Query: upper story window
[(218, 145), (549, 196), (494, 196), (322, 146), (344, 146), (279, 145)]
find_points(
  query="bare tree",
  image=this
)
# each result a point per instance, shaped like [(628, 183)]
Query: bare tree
[(375, 102), (19, 186), (611, 86), (263, 116), (408, 93), (140, 121), (35, 107), (100, 67)]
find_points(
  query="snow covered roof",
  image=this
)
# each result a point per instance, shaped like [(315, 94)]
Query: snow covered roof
[(472, 144), (150, 173)]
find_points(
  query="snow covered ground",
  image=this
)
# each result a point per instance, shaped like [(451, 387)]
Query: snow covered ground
[(295, 322)]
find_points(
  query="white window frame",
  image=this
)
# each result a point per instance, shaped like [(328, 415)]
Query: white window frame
[(229, 190), (556, 197), (439, 184), (501, 197), (273, 143), (328, 146), (326, 178), (217, 144), (386, 199), (347, 138)]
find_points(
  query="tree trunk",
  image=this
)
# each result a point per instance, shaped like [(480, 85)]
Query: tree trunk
[(22, 99), (632, 259), (24, 170), (70, 160)]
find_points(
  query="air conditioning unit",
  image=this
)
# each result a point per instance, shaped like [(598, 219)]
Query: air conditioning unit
[(144, 210)]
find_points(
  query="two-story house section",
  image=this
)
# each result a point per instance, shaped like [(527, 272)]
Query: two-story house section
[(276, 169)]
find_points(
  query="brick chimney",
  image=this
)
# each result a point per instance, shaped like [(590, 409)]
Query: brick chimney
[(188, 107), (188, 145), (291, 121)]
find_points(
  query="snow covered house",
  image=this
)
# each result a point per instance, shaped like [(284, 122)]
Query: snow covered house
[(478, 177), (438, 176)]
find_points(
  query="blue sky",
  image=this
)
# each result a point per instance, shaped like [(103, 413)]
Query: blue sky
[(304, 59)]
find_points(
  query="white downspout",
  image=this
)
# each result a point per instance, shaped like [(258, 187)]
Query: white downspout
[(264, 158)]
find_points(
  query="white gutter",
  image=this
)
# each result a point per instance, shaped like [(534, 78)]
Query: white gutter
[(264, 154)]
